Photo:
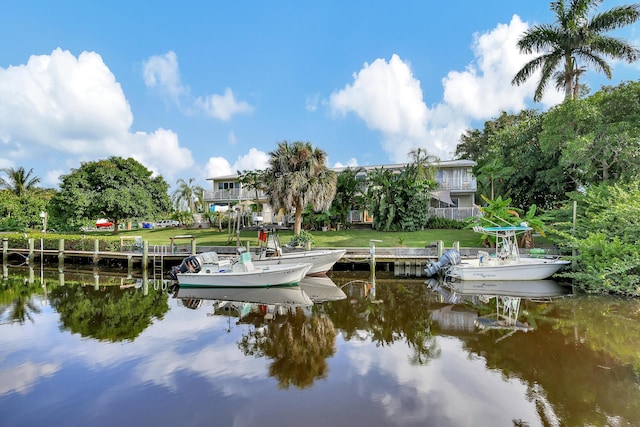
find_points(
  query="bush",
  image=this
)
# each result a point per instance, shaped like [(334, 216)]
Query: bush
[(437, 223)]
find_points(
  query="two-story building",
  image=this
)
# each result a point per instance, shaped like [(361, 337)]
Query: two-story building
[(454, 199)]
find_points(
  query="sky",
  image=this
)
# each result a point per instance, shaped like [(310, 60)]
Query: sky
[(200, 89)]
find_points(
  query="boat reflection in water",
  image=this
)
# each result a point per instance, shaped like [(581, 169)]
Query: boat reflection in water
[(479, 295), (267, 301)]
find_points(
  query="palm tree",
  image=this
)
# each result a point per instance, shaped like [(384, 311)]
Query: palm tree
[(575, 36), (18, 181), (578, 89), (492, 172), (297, 177), (187, 193)]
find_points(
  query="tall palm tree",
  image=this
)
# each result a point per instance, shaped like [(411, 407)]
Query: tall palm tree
[(187, 193), (18, 181), (297, 177), (576, 36)]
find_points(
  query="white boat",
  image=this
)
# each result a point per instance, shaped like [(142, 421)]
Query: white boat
[(271, 252), (321, 260), (505, 264), (207, 270)]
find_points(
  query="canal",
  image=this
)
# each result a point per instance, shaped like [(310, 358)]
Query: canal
[(102, 348)]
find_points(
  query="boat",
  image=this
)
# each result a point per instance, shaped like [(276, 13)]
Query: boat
[(271, 253), (208, 270), (505, 264)]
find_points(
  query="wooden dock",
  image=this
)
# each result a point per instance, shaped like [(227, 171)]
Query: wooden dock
[(406, 262)]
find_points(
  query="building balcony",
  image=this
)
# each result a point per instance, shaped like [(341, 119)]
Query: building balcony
[(233, 195), (458, 185)]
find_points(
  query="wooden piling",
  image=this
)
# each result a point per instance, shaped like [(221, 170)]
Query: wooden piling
[(61, 254), (5, 251), (96, 251), (32, 244)]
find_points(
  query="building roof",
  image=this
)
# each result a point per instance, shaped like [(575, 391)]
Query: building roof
[(462, 163)]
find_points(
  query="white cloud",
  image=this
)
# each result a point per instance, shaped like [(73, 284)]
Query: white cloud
[(352, 163), (161, 72), (388, 98), (484, 89), (222, 107), (59, 104), (253, 160)]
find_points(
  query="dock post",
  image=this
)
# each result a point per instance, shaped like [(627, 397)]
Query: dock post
[(31, 251), (5, 251), (5, 258), (456, 246), (60, 278), (129, 265), (96, 279), (194, 247), (145, 256), (440, 248), (96, 251), (60, 254), (372, 254)]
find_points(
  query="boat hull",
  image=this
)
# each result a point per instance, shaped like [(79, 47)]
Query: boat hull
[(322, 260), (524, 269), (262, 277)]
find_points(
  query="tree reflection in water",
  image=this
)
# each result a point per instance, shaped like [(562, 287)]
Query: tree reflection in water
[(298, 345)]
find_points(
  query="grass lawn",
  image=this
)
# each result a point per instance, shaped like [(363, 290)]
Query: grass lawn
[(326, 239)]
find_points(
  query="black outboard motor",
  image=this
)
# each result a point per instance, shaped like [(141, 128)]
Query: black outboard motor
[(190, 264), (450, 257)]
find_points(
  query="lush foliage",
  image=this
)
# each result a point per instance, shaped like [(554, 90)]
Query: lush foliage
[(399, 201), (21, 200), (605, 237), (297, 177), (116, 189)]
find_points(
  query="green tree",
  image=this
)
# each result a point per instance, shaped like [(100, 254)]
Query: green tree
[(297, 177), (492, 172), (253, 180), (399, 201), (115, 188), (350, 190), (18, 181), (605, 238), (187, 194), (597, 138), (575, 36)]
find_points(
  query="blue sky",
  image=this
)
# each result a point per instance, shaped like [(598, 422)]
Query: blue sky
[(199, 89)]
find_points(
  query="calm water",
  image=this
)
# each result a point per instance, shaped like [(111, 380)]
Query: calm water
[(107, 350)]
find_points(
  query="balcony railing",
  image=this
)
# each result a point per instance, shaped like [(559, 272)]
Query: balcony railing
[(458, 184), (232, 195)]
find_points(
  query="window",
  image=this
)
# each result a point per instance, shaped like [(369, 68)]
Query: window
[(227, 185)]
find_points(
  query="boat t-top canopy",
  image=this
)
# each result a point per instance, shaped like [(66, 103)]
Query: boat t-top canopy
[(504, 229)]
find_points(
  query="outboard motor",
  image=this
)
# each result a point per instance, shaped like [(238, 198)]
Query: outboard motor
[(450, 257), (190, 264)]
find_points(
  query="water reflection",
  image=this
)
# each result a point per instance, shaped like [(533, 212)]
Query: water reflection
[(478, 296), (382, 352)]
